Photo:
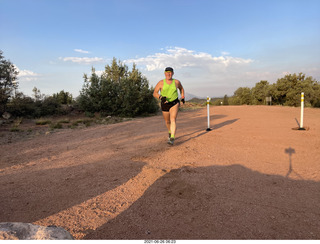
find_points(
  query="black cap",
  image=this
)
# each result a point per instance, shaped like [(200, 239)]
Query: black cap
[(168, 69)]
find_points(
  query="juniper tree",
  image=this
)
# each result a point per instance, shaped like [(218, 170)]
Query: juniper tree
[(8, 81)]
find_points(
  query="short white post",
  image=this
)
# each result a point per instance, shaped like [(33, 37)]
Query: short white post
[(208, 111), (302, 107)]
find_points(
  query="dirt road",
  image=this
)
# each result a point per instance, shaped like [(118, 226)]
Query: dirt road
[(251, 177)]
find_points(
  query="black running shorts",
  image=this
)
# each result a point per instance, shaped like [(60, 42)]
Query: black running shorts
[(166, 106)]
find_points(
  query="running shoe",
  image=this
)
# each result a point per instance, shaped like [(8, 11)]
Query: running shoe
[(171, 141)]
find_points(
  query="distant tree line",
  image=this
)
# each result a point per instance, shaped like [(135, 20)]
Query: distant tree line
[(286, 91), (40, 105)]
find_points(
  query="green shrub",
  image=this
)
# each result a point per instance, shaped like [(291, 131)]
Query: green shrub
[(117, 92), (15, 129), (43, 122), (56, 126), (64, 121)]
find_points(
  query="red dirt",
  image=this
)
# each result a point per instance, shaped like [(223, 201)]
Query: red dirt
[(251, 177)]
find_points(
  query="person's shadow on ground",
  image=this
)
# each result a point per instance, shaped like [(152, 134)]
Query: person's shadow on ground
[(220, 202)]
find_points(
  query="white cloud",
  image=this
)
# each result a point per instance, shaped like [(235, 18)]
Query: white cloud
[(99, 72), (225, 53), (178, 58), (81, 51), (84, 60), (27, 75), (200, 72)]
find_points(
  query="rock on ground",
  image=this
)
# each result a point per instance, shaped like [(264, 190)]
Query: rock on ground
[(26, 231)]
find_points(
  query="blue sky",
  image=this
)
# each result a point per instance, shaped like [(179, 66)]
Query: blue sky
[(214, 46)]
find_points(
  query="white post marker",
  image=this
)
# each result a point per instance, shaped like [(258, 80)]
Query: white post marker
[(302, 108), (208, 111)]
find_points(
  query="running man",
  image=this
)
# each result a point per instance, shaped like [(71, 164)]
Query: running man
[(169, 101)]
